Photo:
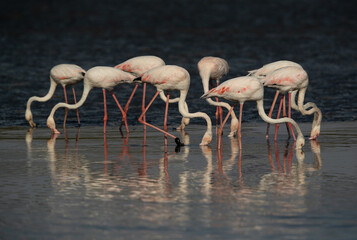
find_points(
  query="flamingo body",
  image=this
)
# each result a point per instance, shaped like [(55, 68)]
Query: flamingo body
[(212, 67), (243, 89), (249, 88), (100, 77), (169, 78), (67, 74), (270, 67), (287, 79), (63, 74), (215, 68), (141, 64), (107, 77)]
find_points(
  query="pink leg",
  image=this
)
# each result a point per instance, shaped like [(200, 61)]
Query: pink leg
[(217, 112), (148, 124), (220, 108), (75, 101), (143, 104), (105, 111), (271, 112), (240, 126), (166, 112), (122, 111), (277, 117), (289, 115), (222, 125), (284, 115), (128, 103), (66, 110)]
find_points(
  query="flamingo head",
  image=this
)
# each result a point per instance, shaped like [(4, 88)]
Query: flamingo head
[(28, 117), (234, 127), (300, 142), (207, 138), (300, 155), (52, 125), (315, 132)]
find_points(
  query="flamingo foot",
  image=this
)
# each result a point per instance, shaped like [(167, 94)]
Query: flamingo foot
[(55, 131), (313, 137), (207, 138), (32, 124)]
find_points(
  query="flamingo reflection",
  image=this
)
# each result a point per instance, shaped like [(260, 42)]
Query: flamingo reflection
[(289, 177)]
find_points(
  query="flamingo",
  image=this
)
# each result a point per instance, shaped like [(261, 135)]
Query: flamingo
[(243, 89), (262, 73), (138, 66), (215, 68), (169, 78), (290, 79), (64, 74), (101, 77)]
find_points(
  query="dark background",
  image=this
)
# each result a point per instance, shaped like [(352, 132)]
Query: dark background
[(36, 35)]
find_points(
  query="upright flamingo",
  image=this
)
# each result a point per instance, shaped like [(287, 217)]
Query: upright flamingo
[(100, 77), (169, 78), (64, 74), (243, 89), (288, 80), (215, 68), (262, 73)]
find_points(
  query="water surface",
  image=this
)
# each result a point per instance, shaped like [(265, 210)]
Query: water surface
[(85, 185)]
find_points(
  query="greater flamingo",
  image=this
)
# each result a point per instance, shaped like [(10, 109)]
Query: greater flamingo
[(100, 77), (64, 74), (289, 79), (138, 66), (243, 89), (262, 73), (215, 68), (169, 78)]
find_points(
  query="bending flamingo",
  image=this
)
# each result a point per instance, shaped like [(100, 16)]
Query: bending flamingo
[(243, 89), (138, 66), (100, 77), (262, 73), (169, 78), (215, 68), (288, 80), (64, 74)]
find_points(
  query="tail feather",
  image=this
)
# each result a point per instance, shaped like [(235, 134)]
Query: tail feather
[(208, 93), (137, 80)]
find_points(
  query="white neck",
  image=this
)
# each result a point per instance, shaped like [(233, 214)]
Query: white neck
[(45, 98), (205, 82), (86, 90), (267, 119), (163, 97), (186, 114)]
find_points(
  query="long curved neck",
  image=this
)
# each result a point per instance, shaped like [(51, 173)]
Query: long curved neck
[(267, 119), (186, 114), (205, 82), (164, 98), (45, 98), (293, 103), (86, 90)]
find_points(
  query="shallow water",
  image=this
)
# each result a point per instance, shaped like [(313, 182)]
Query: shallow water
[(82, 184)]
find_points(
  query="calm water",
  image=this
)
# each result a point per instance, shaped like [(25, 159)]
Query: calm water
[(82, 185), (90, 188)]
